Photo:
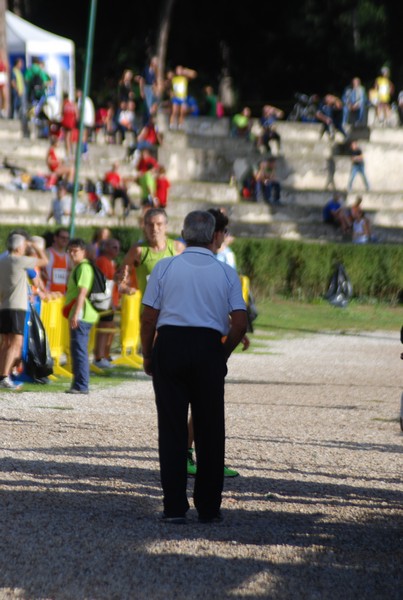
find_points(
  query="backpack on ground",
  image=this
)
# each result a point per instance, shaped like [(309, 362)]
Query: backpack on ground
[(39, 361), (100, 294), (340, 290)]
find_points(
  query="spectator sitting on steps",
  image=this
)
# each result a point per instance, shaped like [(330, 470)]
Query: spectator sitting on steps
[(270, 114), (361, 228), (267, 187), (242, 124), (330, 115), (56, 166), (335, 214)]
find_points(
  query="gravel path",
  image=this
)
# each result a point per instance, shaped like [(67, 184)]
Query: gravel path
[(317, 513)]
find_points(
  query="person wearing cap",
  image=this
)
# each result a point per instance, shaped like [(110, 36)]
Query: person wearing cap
[(191, 300), (14, 301)]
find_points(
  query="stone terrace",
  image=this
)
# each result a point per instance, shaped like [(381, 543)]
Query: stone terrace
[(201, 162)]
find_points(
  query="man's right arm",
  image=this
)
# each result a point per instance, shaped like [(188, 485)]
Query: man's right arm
[(149, 320), (133, 256), (236, 332)]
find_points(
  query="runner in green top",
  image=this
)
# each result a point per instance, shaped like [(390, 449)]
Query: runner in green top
[(143, 256)]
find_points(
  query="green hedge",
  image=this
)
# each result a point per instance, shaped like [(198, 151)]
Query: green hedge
[(303, 270)]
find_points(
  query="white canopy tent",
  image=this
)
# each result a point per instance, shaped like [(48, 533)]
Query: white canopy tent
[(28, 41)]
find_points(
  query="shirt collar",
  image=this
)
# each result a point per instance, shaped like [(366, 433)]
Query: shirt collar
[(199, 250)]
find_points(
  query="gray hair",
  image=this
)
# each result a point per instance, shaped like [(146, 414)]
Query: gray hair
[(155, 212), (15, 241), (198, 228)]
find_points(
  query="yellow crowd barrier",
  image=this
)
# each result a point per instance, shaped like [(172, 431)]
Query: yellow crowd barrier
[(57, 331), (130, 331), (245, 282)]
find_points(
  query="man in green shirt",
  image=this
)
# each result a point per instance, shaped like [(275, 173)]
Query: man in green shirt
[(81, 314)]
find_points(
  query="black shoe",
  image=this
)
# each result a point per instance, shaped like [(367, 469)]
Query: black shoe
[(74, 391), (218, 518), (174, 520)]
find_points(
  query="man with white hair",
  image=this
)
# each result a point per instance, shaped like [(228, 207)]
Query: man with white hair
[(14, 301), (192, 300)]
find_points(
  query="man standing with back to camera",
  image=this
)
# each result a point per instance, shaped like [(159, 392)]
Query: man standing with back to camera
[(191, 301)]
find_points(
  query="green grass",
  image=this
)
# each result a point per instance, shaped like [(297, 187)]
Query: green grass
[(281, 317), (278, 318)]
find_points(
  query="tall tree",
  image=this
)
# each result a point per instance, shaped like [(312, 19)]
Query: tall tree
[(3, 33), (162, 37)]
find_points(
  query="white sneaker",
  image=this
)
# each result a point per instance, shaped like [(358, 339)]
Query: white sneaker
[(103, 363), (8, 384)]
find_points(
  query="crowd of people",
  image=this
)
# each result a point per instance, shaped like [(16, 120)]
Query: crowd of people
[(129, 118)]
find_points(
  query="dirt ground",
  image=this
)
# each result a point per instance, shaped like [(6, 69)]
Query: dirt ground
[(316, 513)]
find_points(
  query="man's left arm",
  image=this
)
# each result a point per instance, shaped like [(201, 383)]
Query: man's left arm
[(149, 320), (236, 332)]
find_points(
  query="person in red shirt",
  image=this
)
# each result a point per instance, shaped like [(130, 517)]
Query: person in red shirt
[(149, 136), (57, 167), (146, 161), (3, 84), (116, 187), (109, 250), (163, 185), (68, 122)]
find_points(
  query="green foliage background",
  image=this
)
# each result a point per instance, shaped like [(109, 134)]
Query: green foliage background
[(303, 270)]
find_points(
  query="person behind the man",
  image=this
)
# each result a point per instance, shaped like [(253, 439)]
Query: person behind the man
[(220, 234), (192, 300), (14, 301), (58, 267), (81, 314), (106, 261), (144, 255)]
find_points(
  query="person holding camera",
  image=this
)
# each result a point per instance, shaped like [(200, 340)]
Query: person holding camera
[(14, 301)]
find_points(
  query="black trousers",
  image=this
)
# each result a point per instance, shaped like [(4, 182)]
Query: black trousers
[(189, 368)]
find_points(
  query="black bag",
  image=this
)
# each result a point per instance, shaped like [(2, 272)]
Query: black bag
[(100, 294), (251, 312), (340, 290), (39, 362)]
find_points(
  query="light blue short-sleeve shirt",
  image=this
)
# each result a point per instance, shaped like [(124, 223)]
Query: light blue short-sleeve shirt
[(194, 289)]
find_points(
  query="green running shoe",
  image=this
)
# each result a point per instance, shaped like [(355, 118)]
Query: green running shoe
[(230, 472), (191, 465)]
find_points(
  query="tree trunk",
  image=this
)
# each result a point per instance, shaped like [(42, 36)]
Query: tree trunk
[(3, 39), (162, 39)]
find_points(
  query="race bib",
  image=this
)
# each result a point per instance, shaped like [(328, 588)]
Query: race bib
[(59, 276)]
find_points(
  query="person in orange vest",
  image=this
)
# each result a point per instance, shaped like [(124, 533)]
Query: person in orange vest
[(59, 265)]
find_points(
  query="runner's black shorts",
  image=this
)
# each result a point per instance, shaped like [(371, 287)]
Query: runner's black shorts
[(12, 321)]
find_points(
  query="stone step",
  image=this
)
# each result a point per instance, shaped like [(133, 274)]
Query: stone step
[(386, 207)]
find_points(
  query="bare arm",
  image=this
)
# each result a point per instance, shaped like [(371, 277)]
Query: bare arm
[(42, 258), (148, 330), (179, 246), (133, 256), (189, 73), (82, 294), (237, 331)]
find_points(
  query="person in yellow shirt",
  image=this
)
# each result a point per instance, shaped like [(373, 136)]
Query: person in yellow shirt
[(179, 95), (385, 90)]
